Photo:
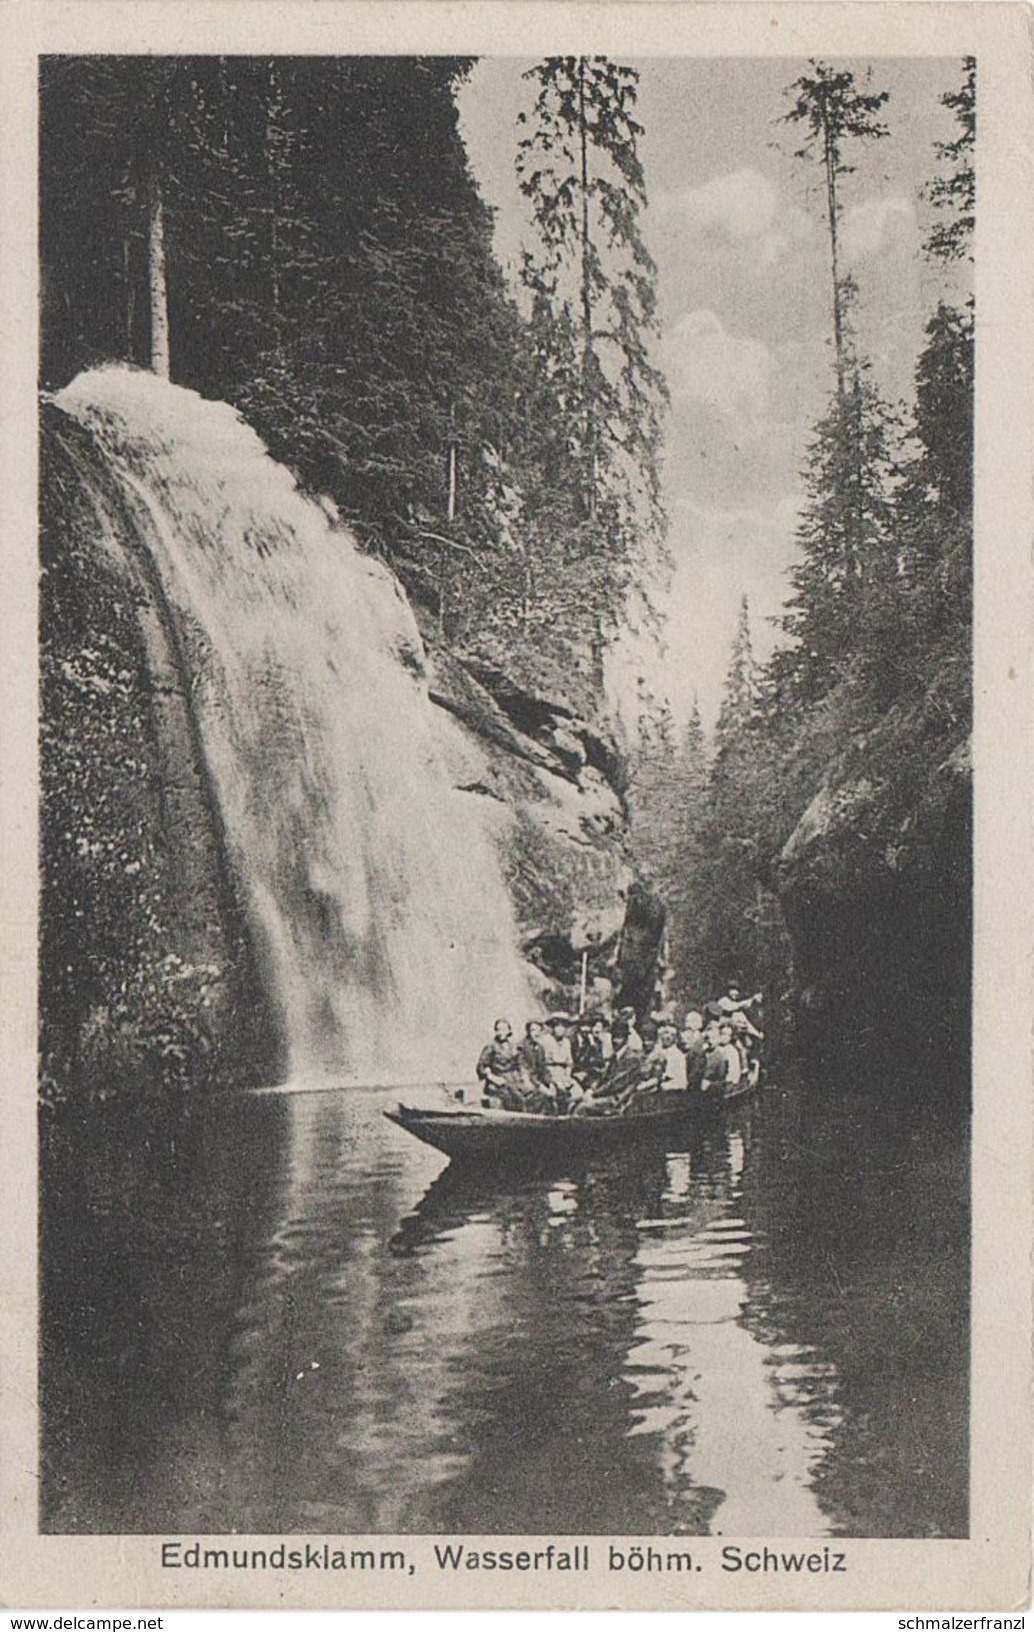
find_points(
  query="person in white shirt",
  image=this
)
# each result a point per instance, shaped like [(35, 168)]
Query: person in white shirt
[(724, 1062), (556, 1047), (669, 1055)]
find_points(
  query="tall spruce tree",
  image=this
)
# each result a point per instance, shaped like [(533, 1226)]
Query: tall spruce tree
[(592, 280), (653, 792), (834, 111), (726, 877), (934, 501)]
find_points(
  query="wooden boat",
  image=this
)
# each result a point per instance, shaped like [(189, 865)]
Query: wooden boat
[(489, 1136)]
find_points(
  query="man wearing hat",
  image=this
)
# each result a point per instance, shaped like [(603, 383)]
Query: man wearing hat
[(732, 1003), (556, 1047)]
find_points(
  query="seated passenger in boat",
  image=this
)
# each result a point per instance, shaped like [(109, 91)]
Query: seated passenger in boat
[(621, 1074), (744, 1031), (669, 1060), (693, 1043), (535, 1087), (592, 1048), (499, 1069), (712, 1020), (748, 1040), (533, 1055), (724, 1065), (556, 1045), (652, 1071)]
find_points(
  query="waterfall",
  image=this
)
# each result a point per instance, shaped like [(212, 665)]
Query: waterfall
[(375, 900)]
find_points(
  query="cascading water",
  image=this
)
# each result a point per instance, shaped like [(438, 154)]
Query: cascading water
[(375, 900)]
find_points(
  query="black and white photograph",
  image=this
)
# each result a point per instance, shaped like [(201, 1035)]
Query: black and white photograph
[(505, 809)]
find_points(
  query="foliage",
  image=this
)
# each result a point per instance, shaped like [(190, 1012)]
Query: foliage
[(954, 193), (845, 535), (121, 1007), (833, 111), (872, 690), (592, 280)]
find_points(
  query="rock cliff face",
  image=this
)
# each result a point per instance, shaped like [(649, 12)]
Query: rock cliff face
[(549, 786), (875, 884)]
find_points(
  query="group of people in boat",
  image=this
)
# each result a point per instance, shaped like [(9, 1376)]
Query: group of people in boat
[(596, 1064)]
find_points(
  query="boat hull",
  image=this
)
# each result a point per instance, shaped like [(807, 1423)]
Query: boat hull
[(496, 1137)]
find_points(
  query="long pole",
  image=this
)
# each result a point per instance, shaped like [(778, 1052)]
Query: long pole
[(157, 285), (585, 982)]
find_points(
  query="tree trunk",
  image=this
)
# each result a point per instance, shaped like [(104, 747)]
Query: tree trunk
[(587, 354), (157, 285), (831, 205)]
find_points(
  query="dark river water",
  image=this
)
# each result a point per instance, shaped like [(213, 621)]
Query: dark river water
[(280, 1313)]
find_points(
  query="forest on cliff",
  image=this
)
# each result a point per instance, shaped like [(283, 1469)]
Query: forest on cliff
[(327, 268)]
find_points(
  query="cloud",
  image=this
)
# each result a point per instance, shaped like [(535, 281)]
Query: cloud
[(878, 224), (739, 205), (741, 208), (705, 363)]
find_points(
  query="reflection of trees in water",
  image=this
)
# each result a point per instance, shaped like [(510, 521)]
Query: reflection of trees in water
[(237, 1331), (727, 1453), (542, 1404), (147, 1221), (343, 1347), (858, 1215), (585, 1406)]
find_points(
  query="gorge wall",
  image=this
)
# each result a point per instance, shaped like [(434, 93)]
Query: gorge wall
[(875, 883)]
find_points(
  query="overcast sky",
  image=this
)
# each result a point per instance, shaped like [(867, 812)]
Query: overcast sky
[(738, 230)]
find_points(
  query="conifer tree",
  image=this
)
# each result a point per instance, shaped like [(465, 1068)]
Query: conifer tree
[(740, 695), (718, 936), (953, 194), (687, 853), (833, 112), (694, 758), (845, 534), (591, 279)]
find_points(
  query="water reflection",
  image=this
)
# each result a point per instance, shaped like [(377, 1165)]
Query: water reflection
[(709, 1392), (282, 1314)]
